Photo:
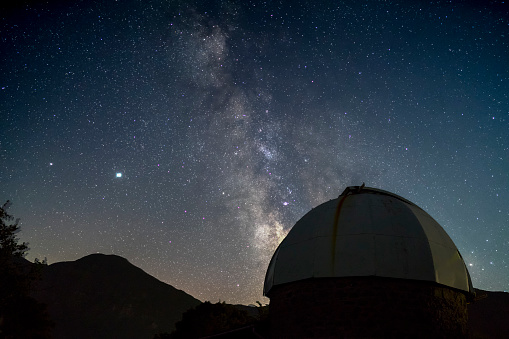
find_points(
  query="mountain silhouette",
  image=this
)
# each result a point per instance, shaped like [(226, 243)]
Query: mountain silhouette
[(105, 296)]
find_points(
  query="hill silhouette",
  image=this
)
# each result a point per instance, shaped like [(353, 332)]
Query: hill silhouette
[(488, 316), (105, 296)]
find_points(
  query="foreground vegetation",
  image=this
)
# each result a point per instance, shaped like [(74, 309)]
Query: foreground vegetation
[(21, 316)]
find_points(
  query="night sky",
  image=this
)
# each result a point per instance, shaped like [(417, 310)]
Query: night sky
[(189, 138)]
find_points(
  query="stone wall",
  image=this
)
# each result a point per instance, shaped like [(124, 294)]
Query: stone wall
[(370, 307)]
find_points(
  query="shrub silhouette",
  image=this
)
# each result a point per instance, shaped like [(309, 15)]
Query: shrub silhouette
[(208, 319)]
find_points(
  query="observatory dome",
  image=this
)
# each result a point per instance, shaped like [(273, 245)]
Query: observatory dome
[(368, 232)]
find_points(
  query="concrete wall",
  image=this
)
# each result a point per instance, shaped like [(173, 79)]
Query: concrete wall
[(366, 307)]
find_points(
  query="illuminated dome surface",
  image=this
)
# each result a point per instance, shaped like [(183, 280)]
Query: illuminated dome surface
[(368, 232)]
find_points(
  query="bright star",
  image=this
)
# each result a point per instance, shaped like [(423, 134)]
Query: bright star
[(119, 175)]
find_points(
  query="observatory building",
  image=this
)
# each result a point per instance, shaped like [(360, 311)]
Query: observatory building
[(367, 264)]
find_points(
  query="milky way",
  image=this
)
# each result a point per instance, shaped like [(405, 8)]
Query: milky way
[(190, 138)]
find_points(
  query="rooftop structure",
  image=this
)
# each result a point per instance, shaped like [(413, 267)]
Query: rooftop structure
[(368, 232)]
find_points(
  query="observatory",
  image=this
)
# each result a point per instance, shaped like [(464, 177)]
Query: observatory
[(367, 264)]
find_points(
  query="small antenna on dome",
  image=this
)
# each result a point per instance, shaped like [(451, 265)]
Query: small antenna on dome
[(361, 187)]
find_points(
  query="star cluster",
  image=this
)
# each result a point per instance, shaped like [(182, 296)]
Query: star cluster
[(189, 138)]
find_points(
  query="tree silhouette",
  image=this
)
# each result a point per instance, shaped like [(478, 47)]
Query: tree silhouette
[(9, 246), (208, 319), (21, 316)]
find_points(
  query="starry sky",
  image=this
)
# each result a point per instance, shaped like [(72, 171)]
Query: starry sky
[(189, 137)]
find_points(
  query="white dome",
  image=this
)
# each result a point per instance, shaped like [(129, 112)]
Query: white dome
[(368, 232)]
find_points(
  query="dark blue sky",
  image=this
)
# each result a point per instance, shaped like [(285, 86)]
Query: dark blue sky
[(229, 121)]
